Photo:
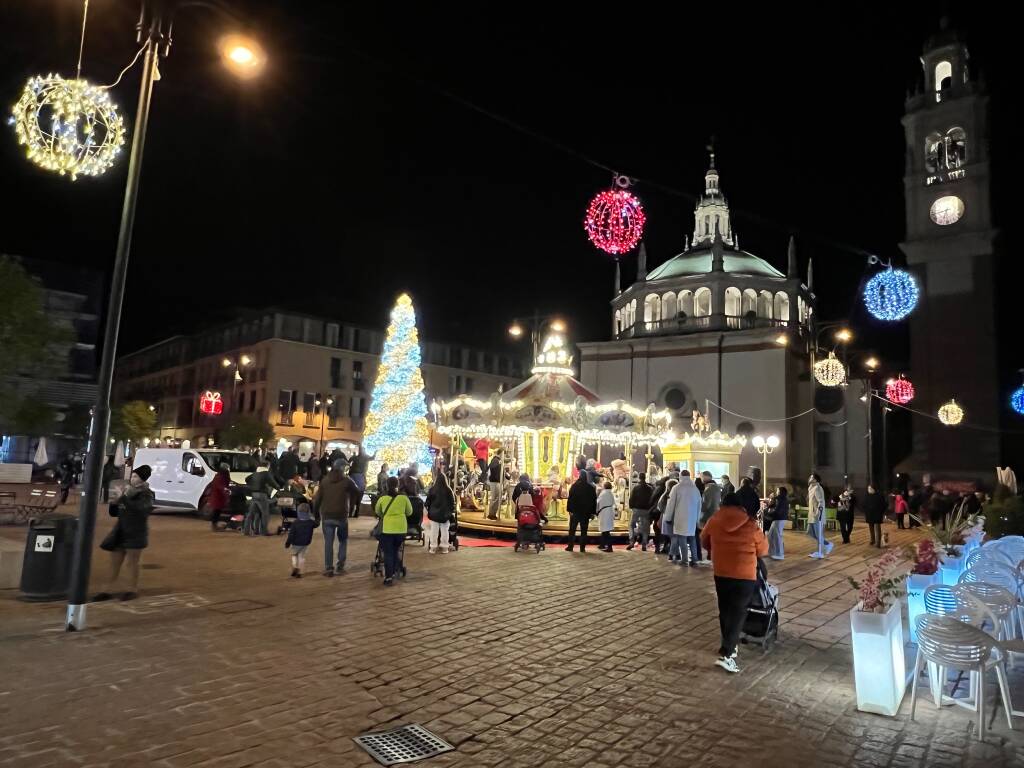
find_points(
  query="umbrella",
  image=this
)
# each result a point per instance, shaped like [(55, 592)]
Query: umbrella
[(119, 454), (41, 459)]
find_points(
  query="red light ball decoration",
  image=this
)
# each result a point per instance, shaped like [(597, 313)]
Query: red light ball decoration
[(615, 221), (899, 391)]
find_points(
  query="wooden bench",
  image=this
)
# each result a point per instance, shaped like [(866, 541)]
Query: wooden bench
[(40, 504)]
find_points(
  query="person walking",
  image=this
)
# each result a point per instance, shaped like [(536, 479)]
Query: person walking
[(582, 506), (66, 476), (684, 509), (639, 508), (816, 517), (778, 513), (394, 510), (736, 542), (654, 511), (260, 484), (130, 534), (900, 508), (109, 473), (300, 536), (217, 497), (440, 513), (605, 516), (357, 466), (711, 500), (874, 513), (665, 519), (494, 486), (334, 499), (845, 510)]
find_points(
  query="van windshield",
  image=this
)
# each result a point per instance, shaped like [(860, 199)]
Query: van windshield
[(237, 462)]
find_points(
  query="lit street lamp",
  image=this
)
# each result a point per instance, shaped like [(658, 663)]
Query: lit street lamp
[(323, 418), (554, 322), (764, 446), (153, 33)]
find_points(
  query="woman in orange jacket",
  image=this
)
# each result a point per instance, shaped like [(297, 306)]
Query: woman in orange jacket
[(736, 542)]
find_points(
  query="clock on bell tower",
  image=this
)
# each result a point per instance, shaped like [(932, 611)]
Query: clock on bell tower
[(950, 245)]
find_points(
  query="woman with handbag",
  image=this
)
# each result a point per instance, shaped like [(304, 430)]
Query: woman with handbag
[(130, 534)]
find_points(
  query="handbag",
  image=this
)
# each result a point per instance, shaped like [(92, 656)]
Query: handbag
[(113, 539), (376, 530)]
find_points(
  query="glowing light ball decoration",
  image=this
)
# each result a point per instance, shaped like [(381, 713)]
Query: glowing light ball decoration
[(615, 221), (68, 126), (891, 294), (951, 414), (396, 426), (830, 372), (899, 391), (1017, 400)]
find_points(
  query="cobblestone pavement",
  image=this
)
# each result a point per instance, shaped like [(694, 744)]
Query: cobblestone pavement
[(550, 659)]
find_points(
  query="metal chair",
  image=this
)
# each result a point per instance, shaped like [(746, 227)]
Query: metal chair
[(998, 601), (945, 642), (993, 572), (1011, 548)]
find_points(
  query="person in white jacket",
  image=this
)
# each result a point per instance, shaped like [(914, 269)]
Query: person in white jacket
[(606, 516), (684, 509), (816, 517)]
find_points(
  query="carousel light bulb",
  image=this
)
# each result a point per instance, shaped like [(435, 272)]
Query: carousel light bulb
[(830, 372)]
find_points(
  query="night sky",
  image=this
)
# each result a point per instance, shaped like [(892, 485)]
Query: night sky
[(346, 174)]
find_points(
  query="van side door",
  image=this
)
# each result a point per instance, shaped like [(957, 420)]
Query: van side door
[(194, 476)]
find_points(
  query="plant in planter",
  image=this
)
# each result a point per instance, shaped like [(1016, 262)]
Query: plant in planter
[(923, 573), (951, 543), (876, 624)]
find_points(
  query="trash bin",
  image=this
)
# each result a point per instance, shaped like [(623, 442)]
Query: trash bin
[(46, 569)]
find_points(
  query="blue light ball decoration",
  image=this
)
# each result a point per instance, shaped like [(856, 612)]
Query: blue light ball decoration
[(1017, 400), (891, 294)]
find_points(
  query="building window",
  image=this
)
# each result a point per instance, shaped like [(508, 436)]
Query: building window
[(286, 405), (702, 302), (652, 310), (781, 306), (358, 383), (943, 75), (733, 301), (357, 409), (332, 413), (685, 304), (335, 373), (823, 447), (749, 302), (454, 384), (469, 385), (309, 408), (252, 400), (331, 339), (764, 304)]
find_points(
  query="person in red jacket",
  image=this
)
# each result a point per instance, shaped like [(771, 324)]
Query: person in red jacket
[(217, 497), (738, 543)]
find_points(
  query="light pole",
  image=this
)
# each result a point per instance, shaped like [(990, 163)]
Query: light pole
[(323, 418), (554, 322), (843, 336), (153, 31), (243, 362), (764, 446)]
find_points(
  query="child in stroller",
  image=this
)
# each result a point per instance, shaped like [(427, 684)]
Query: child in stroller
[(761, 624), (415, 531), (530, 523)]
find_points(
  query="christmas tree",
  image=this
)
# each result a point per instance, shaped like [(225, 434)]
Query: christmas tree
[(396, 426)]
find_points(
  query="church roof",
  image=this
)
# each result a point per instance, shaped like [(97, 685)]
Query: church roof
[(698, 262)]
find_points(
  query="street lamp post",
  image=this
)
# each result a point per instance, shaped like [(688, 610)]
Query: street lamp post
[(843, 336), (323, 418), (154, 32), (242, 362), (554, 322), (764, 446)]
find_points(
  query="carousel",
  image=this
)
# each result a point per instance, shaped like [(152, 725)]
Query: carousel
[(540, 428)]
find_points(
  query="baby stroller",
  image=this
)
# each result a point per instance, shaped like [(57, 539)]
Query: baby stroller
[(761, 624), (377, 566), (529, 531), (287, 506), (415, 530), (234, 515)]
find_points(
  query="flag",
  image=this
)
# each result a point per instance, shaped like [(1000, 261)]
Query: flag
[(465, 450)]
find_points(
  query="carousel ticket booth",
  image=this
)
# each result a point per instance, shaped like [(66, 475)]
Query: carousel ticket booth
[(713, 452), (540, 428)]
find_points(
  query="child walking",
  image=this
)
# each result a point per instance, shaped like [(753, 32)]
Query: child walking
[(300, 536)]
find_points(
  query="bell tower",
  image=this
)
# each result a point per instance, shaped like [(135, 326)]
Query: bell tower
[(950, 243)]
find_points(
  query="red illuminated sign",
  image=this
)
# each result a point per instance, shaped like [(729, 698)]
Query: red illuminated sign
[(211, 403)]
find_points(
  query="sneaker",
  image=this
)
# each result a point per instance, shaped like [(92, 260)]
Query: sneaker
[(295, 572), (339, 571), (629, 547), (329, 572), (735, 653), (728, 664), (430, 551), (568, 549), (100, 597), (298, 575), (388, 582), (643, 549), (704, 562)]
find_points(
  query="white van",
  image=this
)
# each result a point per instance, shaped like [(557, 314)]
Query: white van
[(180, 475)]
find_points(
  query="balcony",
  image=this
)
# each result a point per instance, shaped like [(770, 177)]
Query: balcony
[(285, 419), (681, 325)]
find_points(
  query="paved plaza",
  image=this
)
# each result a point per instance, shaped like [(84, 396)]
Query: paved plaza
[(550, 659)]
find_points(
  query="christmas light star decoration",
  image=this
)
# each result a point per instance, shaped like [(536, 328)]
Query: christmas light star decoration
[(891, 294), (615, 221), (899, 391), (951, 414), (830, 372), (68, 126), (396, 425)]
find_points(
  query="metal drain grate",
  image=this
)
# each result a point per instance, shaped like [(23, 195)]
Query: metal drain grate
[(403, 745)]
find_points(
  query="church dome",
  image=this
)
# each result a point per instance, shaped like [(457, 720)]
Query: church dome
[(699, 262)]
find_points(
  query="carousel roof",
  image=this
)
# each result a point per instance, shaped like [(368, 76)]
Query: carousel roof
[(551, 386)]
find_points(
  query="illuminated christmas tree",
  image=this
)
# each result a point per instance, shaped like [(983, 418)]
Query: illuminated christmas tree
[(396, 426)]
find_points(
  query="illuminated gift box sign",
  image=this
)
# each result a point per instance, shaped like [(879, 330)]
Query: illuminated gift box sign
[(211, 403)]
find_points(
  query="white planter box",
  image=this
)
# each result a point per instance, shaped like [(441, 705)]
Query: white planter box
[(916, 585), (879, 670), (951, 568)]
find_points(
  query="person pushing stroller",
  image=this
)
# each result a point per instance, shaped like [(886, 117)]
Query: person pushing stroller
[(529, 517)]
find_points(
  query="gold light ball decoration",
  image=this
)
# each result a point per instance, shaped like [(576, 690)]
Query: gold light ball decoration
[(951, 414), (68, 126), (830, 372)]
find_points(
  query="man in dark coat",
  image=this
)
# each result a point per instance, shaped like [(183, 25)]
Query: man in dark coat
[(335, 497), (640, 505), (748, 497), (582, 506)]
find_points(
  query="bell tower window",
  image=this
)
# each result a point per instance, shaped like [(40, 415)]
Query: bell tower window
[(943, 75)]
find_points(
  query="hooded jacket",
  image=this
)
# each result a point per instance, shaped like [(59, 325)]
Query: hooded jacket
[(736, 542), (684, 503), (336, 496), (711, 501)]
